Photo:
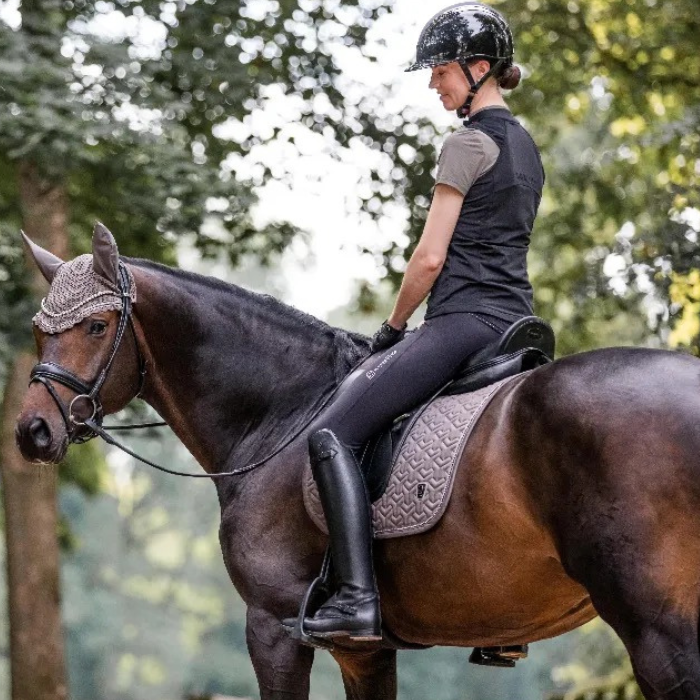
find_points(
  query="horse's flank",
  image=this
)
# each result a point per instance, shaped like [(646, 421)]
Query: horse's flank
[(492, 540)]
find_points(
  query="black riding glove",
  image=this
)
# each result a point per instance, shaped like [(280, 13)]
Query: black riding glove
[(387, 336)]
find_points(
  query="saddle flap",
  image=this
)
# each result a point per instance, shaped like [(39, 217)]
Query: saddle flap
[(378, 453), (376, 463)]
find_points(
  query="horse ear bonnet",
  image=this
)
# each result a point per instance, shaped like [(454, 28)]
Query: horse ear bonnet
[(84, 286)]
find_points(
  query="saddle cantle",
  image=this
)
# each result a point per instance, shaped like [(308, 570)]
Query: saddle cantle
[(410, 468), (527, 344)]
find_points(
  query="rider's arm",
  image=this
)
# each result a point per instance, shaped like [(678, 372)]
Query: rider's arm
[(429, 256), (466, 156)]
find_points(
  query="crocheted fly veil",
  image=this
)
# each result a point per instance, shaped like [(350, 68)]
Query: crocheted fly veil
[(84, 286), (76, 292)]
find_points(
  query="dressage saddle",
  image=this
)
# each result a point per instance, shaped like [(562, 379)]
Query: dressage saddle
[(527, 344)]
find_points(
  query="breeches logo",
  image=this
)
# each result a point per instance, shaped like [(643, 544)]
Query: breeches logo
[(370, 373)]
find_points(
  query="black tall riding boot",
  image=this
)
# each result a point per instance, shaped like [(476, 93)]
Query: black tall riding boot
[(354, 609)]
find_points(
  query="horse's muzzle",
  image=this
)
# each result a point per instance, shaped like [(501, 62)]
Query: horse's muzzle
[(36, 441)]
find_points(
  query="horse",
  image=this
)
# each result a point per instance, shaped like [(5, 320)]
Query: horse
[(578, 493)]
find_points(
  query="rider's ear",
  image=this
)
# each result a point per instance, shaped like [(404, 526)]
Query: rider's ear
[(47, 262), (105, 255)]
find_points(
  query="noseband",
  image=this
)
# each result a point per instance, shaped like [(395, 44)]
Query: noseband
[(86, 406)]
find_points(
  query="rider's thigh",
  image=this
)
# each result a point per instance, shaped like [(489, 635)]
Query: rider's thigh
[(401, 377)]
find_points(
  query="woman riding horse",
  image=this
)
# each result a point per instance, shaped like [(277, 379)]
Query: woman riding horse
[(471, 258)]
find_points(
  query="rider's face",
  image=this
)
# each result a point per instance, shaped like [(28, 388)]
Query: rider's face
[(452, 85)]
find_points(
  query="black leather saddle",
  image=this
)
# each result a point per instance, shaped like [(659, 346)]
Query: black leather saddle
[(527, 344)]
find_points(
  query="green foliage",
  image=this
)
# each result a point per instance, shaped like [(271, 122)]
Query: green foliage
[(144, 139), (613, 100), (85, 466), (15, 304), (620, 685), (139, 130), (14, 297), (597, 668)]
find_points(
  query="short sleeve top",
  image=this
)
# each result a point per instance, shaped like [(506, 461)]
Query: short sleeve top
[(466, 155)]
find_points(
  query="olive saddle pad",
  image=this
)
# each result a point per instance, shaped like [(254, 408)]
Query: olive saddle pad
[(425, 464)]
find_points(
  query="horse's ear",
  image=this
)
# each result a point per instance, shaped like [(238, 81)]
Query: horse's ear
[(47, 262), (105, 255)]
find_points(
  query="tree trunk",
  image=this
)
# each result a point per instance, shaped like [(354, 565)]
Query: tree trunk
[(29, 492)]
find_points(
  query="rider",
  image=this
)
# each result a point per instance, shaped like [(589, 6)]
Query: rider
[(471, 258)]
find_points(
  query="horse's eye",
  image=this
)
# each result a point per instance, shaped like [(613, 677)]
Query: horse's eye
[(98, 328)]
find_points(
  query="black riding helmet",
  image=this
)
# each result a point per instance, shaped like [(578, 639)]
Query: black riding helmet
[(462, 32)]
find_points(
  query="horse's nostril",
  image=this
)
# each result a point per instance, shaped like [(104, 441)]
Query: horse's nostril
[(40, 433)]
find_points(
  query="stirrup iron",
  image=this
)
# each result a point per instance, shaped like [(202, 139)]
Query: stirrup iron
[(501, 657), (318, 588)]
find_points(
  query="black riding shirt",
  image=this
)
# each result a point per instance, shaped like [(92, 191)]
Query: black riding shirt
[(485, 270)]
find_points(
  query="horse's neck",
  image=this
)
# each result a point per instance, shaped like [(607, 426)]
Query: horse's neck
[(233, 373)]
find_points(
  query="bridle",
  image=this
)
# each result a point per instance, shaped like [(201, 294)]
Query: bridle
[(85, 410), (84, 425)]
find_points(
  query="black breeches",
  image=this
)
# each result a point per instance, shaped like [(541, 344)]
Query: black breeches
[(398, 379)]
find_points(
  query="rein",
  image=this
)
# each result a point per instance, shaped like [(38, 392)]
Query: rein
[(81, 429)]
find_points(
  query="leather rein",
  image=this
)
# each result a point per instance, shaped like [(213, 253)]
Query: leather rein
[(84, 414)]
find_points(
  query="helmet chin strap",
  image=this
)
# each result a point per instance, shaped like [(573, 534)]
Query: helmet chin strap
[(474, 86)]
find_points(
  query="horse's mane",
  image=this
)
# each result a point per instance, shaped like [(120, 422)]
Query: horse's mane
[(351, 346)]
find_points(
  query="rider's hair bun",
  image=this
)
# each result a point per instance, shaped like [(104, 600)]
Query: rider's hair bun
[(510, 78)]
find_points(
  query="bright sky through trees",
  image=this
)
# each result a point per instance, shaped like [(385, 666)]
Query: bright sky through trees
[(315, 196), (315, 185)]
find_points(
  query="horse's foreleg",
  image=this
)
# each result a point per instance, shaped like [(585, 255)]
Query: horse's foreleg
[(368, 675), (282, 665)]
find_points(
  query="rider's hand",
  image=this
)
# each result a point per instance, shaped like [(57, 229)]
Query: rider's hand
[(387, 336)]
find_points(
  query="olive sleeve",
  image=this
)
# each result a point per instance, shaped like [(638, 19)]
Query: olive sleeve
[(466, 155)]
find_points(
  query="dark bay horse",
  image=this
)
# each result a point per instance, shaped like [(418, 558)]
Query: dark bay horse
[(579, 493)]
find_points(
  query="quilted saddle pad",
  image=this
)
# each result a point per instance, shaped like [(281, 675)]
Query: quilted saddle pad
[(425, 464)]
